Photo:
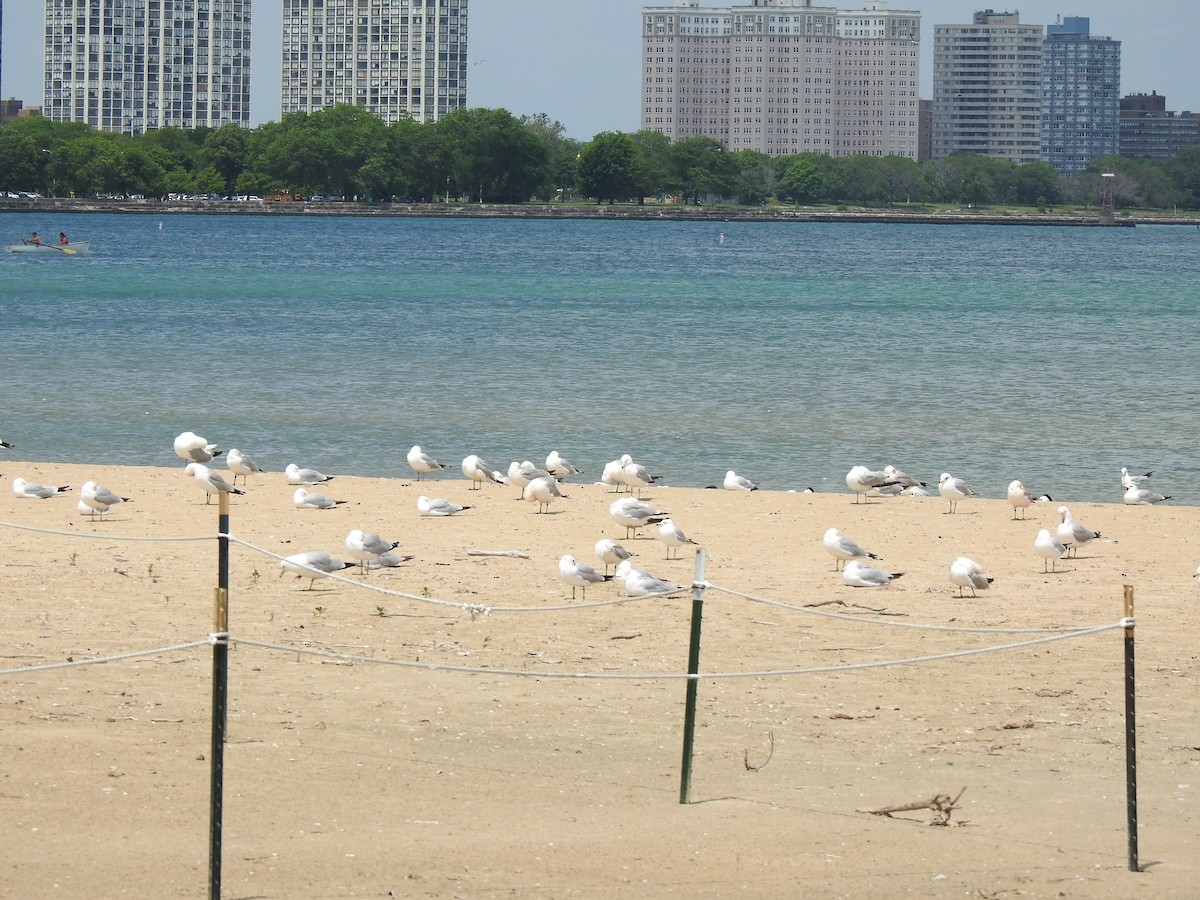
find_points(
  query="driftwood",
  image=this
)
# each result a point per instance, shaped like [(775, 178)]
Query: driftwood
[(941, 804), (515, 554)]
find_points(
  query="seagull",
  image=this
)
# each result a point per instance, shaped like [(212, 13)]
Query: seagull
[(478, 471), (1136, 496), (635, 475), (88, 511), (98, 499), (367, 547), (953, 489), (579, 575), (240, 463), (902, 478), (611, 553), (1019, 497), (31, 490), (521, 473), (190, 447), (892, 489), (966, 573), (389, 560), (5, 444), (843, 548), (860, 479), (297, 475), (672, 535), (422, 463), (543, 491), (857, 575), (1071, 534), (211, 482), (312, 565), (634, 514), (917, 490), (559, 467), (736, 482), (640, 583), (1049, 548), (306, 499), (437, 506), (612, 472), (1127, 479)]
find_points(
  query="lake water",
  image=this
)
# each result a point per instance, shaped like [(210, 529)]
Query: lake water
[(788, 352)]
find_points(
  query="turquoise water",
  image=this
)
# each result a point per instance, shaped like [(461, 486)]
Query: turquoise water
[(788, 352)]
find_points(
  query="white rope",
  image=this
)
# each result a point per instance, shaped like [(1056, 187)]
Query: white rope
[(108, 537), (105, 659)]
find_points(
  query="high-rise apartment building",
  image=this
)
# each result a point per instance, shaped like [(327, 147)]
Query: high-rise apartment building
[(1081, 78), (135, 65), (987, 87), (395, 58), (784, 76), (1150, 131)]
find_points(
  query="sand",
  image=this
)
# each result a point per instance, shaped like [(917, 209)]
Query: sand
[(346, 778)]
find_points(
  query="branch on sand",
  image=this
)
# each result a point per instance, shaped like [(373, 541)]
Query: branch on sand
[(941, 805)]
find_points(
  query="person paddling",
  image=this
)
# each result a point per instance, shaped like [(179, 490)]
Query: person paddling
[(32, 239), (62, 239)]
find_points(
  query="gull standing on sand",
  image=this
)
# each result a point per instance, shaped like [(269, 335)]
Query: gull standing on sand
[(1020, 498), (857, 575), (1071, 534), (844, 549), (190, 447), (611, 553), (88, 511), (672, 535), (634, 514), (422, 463), (210, 482), (1137, 496), (297, 475), (559, 467), (437, 506), (31, 490), (635, 475), (735, 482), (97, 498), (543, 491), (579, 575), (966, 573), (1127, 479), (367, 547), (240, 463), (953, 489), (474, 468), (306, 499), (1049, 548), (521, 473), (640, 583), (612, 474), (313, 564), (860, 479)]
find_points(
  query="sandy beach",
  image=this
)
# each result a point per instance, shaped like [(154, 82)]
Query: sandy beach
[(347, 775)]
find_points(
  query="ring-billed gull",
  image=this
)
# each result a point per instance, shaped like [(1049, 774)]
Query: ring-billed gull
[(640, 583), (735, 482), (966, 573), (297, 475), (579, 575), (312, 564), (844, 549), (422, 463), (902, 478), (611, 553), (635, 476), (5, 444), (88, 511), (474, 468), (1071, 534), (559, 467), (1137, 496), (857, 575), (612, 474), (1019, 497), (306, 499), (953, 489), (367, 547), (98, 498), (1128, 479), (190, 447), (521, 473), (1049, 548), (32, 490), (210, 482), (437, 506), (240, 463), (634, 514), (672, 535), (543, 491), (860, 479)]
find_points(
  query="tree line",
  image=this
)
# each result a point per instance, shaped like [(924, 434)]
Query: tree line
[(491, 156)]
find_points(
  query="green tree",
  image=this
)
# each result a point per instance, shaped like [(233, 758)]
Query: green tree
[(656, 168), (704, 168), (609, 167), (20, 168), (1184, 171), (225, 150), (800, 179), (497, 158)]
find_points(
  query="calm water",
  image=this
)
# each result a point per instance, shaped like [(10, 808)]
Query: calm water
[(789, 352)]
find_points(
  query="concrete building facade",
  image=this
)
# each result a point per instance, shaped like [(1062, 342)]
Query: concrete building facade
[(396, 58), (136, 65), (1150, 131), (784, 76), (1081, 78)]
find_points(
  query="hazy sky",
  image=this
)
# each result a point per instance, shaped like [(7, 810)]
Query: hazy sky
[(578, 61)]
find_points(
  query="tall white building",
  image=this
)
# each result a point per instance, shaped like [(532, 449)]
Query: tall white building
[(393, 57), (135, 65), (784, 76)]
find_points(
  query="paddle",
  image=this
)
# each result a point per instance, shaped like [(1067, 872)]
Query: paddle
[(67, 250)]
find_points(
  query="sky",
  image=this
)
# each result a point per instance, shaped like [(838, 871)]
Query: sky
[(578, 61)]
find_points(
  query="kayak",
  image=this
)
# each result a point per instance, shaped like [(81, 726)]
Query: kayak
[(77, 249)]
